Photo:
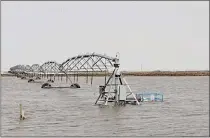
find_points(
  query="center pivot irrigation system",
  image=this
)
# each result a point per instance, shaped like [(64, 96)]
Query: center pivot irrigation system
[(115, 89)]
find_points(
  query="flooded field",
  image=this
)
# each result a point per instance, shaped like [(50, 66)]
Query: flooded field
[(71, 112)]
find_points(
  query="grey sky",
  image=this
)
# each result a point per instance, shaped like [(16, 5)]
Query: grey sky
[(159, 35)]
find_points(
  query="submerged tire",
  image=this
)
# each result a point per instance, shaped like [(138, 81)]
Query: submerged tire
[(30, 80), (50, 80), (23, 77), (46, 85), (75, 85)]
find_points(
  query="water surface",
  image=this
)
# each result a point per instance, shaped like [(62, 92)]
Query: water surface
[(71, 112)]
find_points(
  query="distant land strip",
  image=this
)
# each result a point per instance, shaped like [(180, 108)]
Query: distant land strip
[(136, 73)]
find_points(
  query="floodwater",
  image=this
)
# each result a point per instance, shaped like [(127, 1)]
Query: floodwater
[(71, 112)]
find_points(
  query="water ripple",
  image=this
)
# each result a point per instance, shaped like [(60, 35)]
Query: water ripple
[(71, 112)]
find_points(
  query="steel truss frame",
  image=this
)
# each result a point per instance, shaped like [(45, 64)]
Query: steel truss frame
[(85, 63)]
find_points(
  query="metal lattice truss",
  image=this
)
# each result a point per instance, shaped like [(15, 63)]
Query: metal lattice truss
[(35, 68), (81, 63), (50, 67), (28, 69), (87, 62), (18, 69), (114, 89)]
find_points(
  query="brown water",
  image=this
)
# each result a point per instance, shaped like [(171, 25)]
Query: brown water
[(71, 112)]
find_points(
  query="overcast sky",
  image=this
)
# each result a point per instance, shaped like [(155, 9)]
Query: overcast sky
[(157, 35)]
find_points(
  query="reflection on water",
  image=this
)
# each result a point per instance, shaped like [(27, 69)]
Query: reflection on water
[(71, 112)]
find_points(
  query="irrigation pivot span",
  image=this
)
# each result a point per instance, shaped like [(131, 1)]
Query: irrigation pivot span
[(114, 90)]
